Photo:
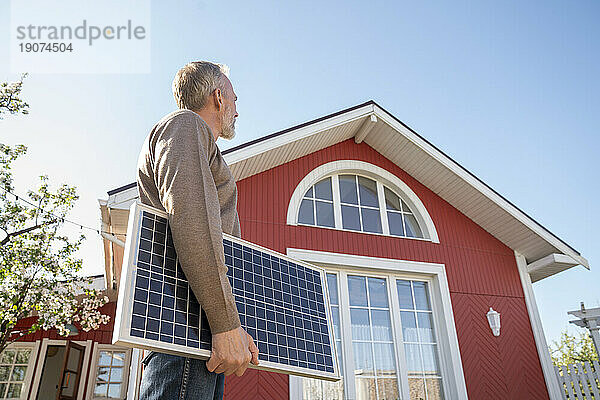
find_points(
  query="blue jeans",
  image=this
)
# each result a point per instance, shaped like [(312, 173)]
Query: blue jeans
[(168, 377)]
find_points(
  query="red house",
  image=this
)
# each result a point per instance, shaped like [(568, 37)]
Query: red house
[(417, 251)]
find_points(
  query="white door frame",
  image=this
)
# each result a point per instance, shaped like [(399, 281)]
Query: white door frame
[(42, 358)]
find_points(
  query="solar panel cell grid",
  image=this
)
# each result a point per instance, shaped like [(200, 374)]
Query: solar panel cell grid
[(281, 303)]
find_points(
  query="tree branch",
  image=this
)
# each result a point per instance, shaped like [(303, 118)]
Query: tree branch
[(22, 231)]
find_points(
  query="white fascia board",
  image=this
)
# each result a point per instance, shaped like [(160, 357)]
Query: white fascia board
[(123, 200), (554, 388), (552, 260), (295, 135), (470, 179)]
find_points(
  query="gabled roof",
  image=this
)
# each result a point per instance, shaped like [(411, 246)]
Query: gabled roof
[(372, 124), (546, 253)]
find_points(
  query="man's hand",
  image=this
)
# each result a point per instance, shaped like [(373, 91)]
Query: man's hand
[(231, 352)]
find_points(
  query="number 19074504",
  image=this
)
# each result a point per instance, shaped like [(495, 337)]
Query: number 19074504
[(39, 47)]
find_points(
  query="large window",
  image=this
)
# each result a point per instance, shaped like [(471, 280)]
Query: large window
[(358, 203), (315, 389), (14, 368), (390, 323), (112, 370)]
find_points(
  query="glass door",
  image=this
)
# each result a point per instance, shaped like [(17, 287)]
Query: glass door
[(71, 372)]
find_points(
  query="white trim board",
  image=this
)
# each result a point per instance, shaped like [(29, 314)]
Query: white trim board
[(452, 370), (477, 184), (39, 367), (554, 390)]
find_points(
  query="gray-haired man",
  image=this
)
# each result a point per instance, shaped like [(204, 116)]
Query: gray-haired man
[(181, 170)]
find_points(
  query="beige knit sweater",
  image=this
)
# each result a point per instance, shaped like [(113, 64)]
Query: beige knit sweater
[(182, 171)]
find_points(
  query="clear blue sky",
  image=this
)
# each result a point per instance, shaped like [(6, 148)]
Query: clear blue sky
[(510, 90)]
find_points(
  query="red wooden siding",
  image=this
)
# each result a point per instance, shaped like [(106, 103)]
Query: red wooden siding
[(481, 272), (102, 335)]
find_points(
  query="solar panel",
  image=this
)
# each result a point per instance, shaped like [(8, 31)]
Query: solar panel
[(282, 302)]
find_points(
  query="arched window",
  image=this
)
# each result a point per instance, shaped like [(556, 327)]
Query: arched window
[(358, 196)]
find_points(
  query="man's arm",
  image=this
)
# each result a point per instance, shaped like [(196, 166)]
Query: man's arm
[(188, 193)]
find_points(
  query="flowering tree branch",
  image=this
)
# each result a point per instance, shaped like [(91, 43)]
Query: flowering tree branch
[(39, 273)]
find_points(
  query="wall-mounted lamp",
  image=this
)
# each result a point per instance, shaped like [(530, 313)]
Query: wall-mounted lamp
[(73, 331), (493, 318)]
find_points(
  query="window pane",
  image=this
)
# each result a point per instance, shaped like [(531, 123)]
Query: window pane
[(116, 375), (413, 359), (368, 192), (392, 201), (118, 358), (382, 328), (340, 356), (4, 372), (323, 189), (416, 388), (311, 389), (350, 218), (405, 207), (73, 361), (18, 374), (305, 214), (412, 227), (2, 389), (405, 294), (377, 292), (103, 373), (371, 220), (361, 329), (332, 288), (333, 390), (7, 357), (357, 290), (384, 359), (100, 389), (395, 223), (23, 356), (366, 389), (425, 327), (105, 358), (114, 391), (324, 214), (409, 326), (363, 358), (434, 389), (387, 388), (421, 296), (14, 391), (430, 362), (309, 193), (348, 189), (335, 316)]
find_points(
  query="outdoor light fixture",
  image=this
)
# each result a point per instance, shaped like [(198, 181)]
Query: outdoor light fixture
[(73, 331), (493, 318)]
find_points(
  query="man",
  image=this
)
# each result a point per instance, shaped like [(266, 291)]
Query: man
[(181, 170)]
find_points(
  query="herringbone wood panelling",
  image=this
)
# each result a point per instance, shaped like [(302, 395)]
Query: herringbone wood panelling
[(481, 270), (504, 367), (259, 385)]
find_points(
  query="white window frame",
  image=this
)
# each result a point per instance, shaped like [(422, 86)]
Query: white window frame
[(94, 370), (34, 347), (380, 175), (39, 366), (443, 318)]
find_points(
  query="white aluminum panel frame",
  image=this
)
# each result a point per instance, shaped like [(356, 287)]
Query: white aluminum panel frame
[(121, 333)]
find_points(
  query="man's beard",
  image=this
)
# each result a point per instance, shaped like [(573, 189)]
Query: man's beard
[(227, 125)]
